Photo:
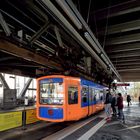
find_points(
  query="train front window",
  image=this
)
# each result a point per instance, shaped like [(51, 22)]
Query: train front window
[(51, 93)]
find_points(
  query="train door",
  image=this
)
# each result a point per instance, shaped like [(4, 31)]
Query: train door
[(73, 108), (102, 98), (90, 102), (97, 94)]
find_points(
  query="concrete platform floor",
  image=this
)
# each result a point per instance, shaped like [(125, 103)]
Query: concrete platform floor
[(116, 130), (113, 130)]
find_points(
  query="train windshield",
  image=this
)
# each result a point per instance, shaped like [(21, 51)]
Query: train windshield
[(51, 93)]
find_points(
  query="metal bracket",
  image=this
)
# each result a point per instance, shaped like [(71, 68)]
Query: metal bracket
[(39, 32), (58, 36)]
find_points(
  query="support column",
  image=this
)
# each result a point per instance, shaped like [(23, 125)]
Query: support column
[(4, 83), (23, 92)]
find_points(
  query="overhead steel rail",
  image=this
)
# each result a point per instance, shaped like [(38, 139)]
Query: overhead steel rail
[(77, 19), (90, 36)]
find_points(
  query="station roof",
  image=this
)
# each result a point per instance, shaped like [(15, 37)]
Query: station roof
[(44, 37)]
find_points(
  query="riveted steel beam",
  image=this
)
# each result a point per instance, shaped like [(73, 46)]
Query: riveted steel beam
[(123, 27), (123, 39), (13, 49), (123, 48), (129, 69), (125, 54), (132, 59), (128, 64), (117, 10)]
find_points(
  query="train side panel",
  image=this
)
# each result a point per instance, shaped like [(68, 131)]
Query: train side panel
[(92, 92)]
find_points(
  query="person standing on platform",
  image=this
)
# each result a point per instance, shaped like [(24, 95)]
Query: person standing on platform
[(114, 104), (120, 107), (128, 99), (108, 101)]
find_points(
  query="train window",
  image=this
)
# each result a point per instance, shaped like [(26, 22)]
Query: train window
[(93, 95), (72, 95), (97, 94), (84, 93), (90, 95), (101, 95), (51, 93)]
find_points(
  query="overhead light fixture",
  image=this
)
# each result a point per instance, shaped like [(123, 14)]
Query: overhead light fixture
[(105, 59), (70, 13), (90, 40)]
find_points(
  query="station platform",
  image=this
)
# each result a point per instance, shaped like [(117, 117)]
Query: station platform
[(18, 109), (91, 128)]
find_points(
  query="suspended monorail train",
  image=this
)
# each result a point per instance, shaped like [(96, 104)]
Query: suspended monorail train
[(64, 98)]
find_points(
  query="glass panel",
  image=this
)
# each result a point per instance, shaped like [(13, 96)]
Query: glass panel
[(84, 94), (72, 95), (93, 95), (101, 95), (51, 93), (90, 95)]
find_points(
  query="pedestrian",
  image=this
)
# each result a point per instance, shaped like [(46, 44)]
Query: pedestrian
[(114, 104), (128, 99), (108, 100), (139, 99), (120, 107)]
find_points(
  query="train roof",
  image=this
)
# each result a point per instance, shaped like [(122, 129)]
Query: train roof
[(82, 80), (91, 83)]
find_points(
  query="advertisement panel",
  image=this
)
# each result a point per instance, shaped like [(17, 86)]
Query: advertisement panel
[(10, 120), (31, 116)]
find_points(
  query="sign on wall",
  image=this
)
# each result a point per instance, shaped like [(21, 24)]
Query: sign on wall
[(123, 84), (10, 120), (31, 116)]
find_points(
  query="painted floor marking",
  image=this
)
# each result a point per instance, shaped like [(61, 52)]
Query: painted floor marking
[(59, 135), (92, 131), (67, 131)]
